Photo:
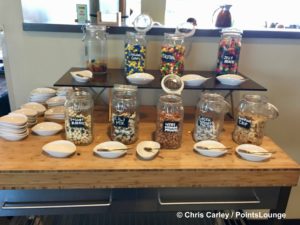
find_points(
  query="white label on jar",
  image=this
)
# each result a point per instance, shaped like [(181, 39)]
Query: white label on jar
[(244, 122), (120, 121), (134, 56), (205, 122), (229, 59), (168, 57), (170, 126), (76, 122)]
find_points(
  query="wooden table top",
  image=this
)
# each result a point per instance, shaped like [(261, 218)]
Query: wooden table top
[(24, 166)]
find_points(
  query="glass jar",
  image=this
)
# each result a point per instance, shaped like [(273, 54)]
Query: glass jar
[(79, 118), (209, 118), (96, 48), (172, 54), (169, 121), (135, 53), (229, 51), (124, 124), (253, 112)]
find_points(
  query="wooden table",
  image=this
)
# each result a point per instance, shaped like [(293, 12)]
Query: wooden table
[(24, 166)]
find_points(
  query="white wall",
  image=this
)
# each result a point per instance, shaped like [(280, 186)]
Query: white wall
[(39, 59)]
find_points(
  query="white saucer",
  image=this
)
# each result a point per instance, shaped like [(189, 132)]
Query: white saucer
[(60, 149), (15, 119), (250, 156), (47, 128), (13, 137), (193, 80), (140, 78), (43, 91), (144, 154), (27, 112), (110, 145), (35, 106), (82, 76), (231, 79), (56, 101), (210, 152)]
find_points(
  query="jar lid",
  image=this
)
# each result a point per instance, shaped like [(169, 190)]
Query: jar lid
[(186, 29), (232, 31), (172, 84), (143, 23), (94, 27)]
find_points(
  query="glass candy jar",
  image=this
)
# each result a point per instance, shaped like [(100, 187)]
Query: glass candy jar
[(95, 41), (253, 112), (172, 54), (124, 124), (169, 121), (229, 51), (79, 118), (209, 118), (135, 53)]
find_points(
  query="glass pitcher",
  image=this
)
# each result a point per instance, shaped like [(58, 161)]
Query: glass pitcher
[(224, 16), (209, 119), (253, 112)]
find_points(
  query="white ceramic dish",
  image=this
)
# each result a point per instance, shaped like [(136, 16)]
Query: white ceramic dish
[(15, 119), (27, 112), (193, 80), (55, 111), (210, 152), (252, 156), (60, 148), (35, 106), (230, 79), (56, 101), (47, 128), (140, 78), (13, 130), (110, 145), (13, 137), (63, 91), (144, 154), (82, 76), (43, 91)]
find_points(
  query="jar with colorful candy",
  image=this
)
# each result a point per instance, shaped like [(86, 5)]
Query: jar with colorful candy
[(135, 53), (229, 51), (172, 54)]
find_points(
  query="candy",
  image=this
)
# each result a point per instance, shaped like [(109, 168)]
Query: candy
[(172, 59), (96, 65), (228, 56), (135, 56)]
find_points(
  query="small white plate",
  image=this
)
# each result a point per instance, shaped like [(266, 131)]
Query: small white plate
[(193, 80), (35, 106), (140, 78), (13, 137), (231, 79), (144, 154), (27, 112), (60, 148), (15, 119), (210, 152), (47, 128), (110, 145), (252, 156), (82, 76), (43, 91), (55, 111)]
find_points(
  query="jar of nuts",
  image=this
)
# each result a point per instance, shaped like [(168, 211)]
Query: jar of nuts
[(169, 121), (124, 123), (209, 118), (253, 112), (79, 118)]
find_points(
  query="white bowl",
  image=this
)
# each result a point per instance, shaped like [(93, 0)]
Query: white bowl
[(193, 80), (35, 106), (110, 145), (27, 112), (230, 79), (13, 137), (56, 101), (144, 154), (43, 91), (140, 78), (14, 119), (210, 152), (251, 156), (60, 148), (47, 128), (82, 76)]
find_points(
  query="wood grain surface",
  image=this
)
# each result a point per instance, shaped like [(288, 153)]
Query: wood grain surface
[(23, 165)]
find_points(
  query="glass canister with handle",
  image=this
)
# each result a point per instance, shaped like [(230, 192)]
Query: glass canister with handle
[(209, 118), (253, 112), (79, 117), (124, 124)]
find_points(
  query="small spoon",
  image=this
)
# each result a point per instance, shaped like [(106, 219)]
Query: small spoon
[(209, 148), (149, 149), (255, 152), (109, 150)]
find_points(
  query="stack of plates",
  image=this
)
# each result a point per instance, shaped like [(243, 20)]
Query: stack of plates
[(35, 106), (56, 101), (55, 114), (63, 91), (13, 127), (31, 115), (41, 95)]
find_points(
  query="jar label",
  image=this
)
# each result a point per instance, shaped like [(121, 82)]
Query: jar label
[(170, 126), (120, 121), (229, 59), (168, 57), (205, 122), (244, 122), (77, 122), (134, 56)]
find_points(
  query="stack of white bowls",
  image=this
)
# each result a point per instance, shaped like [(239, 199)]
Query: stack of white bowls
[(31, 116), (13, 127), (55, 114), (35, 106), (41, 95), (56, 101), (63, 91)]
